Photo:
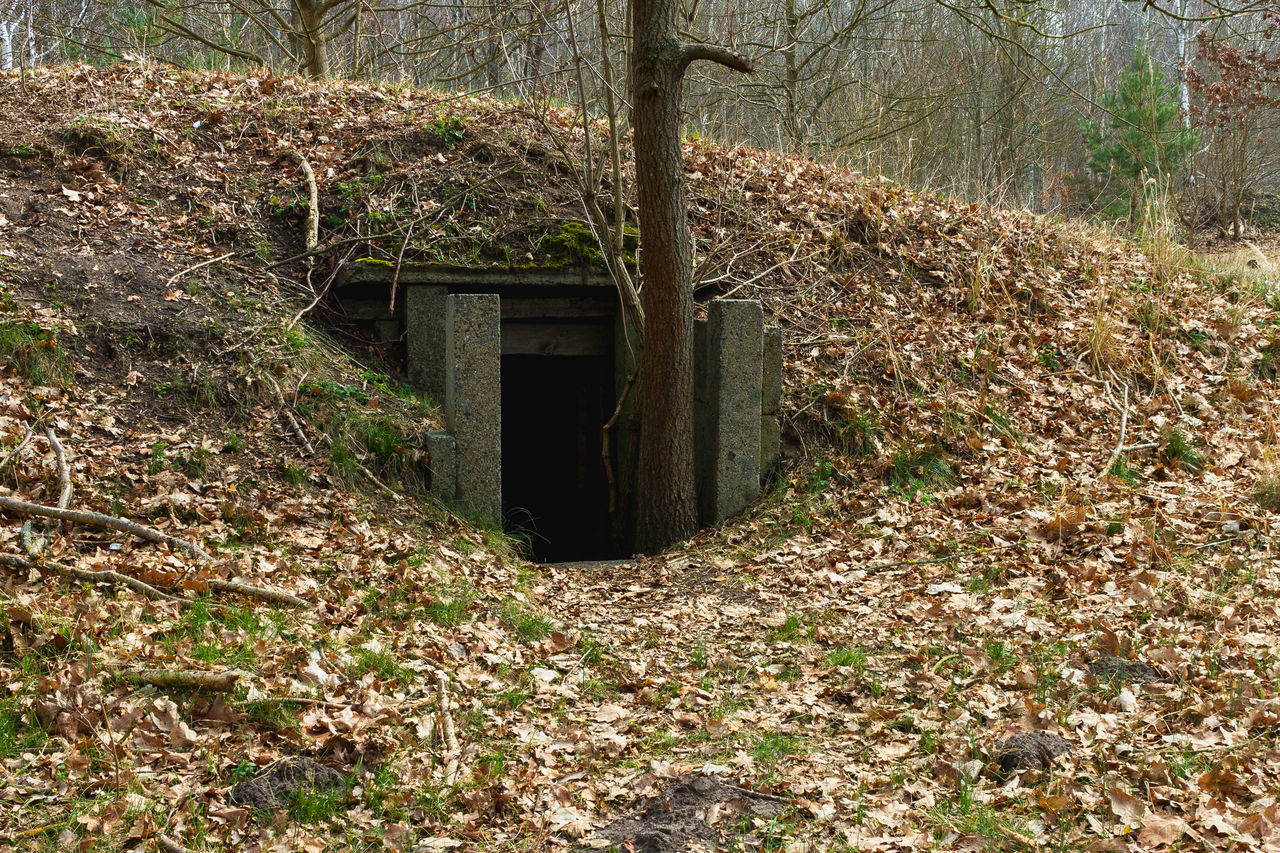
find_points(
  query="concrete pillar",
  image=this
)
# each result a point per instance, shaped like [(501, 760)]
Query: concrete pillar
[(732, 347), (424, 320), (473, 399), (770, 401), (442, 460)]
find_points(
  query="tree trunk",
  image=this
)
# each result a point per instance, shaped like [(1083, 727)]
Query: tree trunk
[(666, 505), (791, 79), (7, 29), (309, 41)]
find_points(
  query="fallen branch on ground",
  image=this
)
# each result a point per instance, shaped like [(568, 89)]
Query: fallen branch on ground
[(448, 734), (184, 679), (168, 845), (104, 576), (1124, 424), (313, 203), (274, 596), (64, 473), (97, 519), (298, 432), (946, 558)]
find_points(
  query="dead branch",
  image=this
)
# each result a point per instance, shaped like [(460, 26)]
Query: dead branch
[(97, 519), (192, 269), (945, 558), (64, 473), (305, 700), (168, 845), (12, 454), (297, 430), (105, 576), (32, 545), (313, 206), (274, 596), (448, 733), (395, 276), (1124, 423), (184, 679)]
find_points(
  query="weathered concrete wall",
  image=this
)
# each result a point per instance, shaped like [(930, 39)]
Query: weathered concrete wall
[(424, 321), (442, 460), (770, 402), (727, 396), (473, 398)]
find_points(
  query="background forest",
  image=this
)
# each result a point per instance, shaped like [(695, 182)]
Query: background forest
[(1057, 106)]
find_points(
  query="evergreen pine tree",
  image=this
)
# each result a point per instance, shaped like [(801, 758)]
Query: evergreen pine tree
[(1144, 136)]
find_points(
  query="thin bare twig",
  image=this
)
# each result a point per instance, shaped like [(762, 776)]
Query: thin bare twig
[(192, 269), (395, 276), (298, 432), (1124, 423), (946, 558), (168, 845)]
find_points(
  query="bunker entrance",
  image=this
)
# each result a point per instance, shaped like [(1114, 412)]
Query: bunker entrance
[(528, 365), (555, 492)]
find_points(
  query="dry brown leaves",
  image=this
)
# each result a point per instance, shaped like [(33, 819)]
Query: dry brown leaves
[(952, 548)]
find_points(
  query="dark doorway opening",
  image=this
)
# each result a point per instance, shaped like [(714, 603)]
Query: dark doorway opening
[(555, 491)]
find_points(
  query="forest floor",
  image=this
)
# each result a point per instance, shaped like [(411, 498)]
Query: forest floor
[(1031, 492)]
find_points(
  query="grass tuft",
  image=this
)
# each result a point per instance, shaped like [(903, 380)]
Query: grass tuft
[(34, 353)]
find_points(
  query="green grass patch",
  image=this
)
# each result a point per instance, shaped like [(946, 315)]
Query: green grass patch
[(19, 730), (34, 353), (527, 625), (1122, 470), (770, 749), (450, 609), (272, 714), (854, 658), (1179, 450), (791, 628), (387, 667), (914, 473), (312, 806)]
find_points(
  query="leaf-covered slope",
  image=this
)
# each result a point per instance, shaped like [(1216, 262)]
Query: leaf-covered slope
[(1015, 444)]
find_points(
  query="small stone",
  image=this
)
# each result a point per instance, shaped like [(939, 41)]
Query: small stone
[(1031, 750), (276, 785), (1111, 668)]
